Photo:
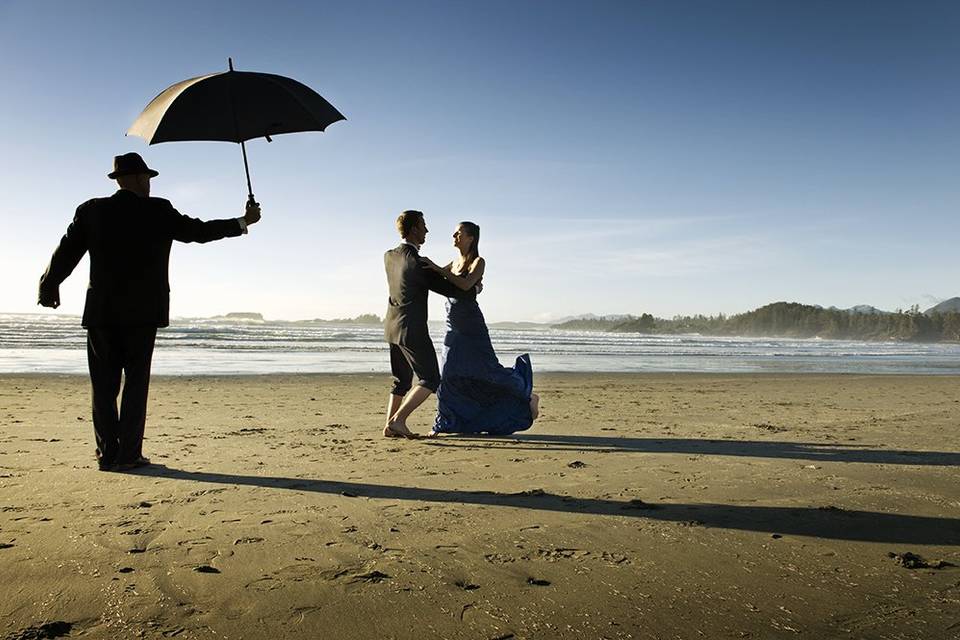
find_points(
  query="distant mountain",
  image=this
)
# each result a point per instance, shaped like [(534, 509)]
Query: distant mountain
[(592, 322), (865, 308), (795, 320), (953, 304), (363, 318), (518, 325), (860, 308), (592, 316), (240, 316)]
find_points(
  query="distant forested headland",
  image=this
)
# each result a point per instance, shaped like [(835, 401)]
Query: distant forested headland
[(792, 320)]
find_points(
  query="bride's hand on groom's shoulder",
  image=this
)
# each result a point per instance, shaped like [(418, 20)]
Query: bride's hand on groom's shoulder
[(427, 263)]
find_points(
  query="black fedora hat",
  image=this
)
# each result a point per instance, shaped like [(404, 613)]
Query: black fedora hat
[(130, 164)]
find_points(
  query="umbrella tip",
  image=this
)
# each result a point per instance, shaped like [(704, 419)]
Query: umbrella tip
[(230, 63)]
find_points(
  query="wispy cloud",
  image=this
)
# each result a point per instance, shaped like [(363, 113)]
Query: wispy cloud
[(586, 231), (661, 246), (685, 258)]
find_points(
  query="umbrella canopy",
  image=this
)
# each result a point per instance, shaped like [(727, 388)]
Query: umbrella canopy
[(233, 106)]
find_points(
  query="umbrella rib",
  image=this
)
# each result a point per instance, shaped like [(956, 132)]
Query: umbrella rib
[(270, 77), (233, 106), (236, 130)]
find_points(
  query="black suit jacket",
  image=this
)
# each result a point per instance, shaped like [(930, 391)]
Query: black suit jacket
[(409, 284), (129, 241)]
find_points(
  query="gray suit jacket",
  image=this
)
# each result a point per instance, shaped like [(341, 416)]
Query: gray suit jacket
[(409, 283)]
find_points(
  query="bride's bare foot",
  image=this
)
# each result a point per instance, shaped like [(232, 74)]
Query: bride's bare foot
[(398, 430), (534, 405)]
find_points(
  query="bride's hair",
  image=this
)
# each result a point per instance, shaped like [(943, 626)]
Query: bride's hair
[(472, 230)]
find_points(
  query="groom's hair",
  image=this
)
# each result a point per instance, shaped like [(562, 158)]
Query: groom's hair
[(407, 221)]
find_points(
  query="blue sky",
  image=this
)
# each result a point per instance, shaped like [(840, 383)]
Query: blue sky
[(620, 157)]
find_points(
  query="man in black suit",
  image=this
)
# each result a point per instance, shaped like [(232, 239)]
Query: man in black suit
[(128, 236), (405, 325)]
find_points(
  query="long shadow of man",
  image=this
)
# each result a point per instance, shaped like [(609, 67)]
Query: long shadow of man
[(814, 521)]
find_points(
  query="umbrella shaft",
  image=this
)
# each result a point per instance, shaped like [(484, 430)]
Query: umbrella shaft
[(246, 167)]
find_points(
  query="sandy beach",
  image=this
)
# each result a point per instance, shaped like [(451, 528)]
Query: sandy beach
[(638, 506)]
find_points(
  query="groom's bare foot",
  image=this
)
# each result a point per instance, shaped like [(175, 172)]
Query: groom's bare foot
[(398, 430), (534, 405)]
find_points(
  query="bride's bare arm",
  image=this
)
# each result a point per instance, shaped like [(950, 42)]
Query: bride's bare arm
[(470, 279)]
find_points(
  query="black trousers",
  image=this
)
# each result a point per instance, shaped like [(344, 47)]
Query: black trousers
[(418, 358), (113, 353)]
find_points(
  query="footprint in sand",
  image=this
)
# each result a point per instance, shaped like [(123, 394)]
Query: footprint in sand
[(47, 630), (205, 568), (372, 576), (499, 558), (466, 585), (615, 558), (560, 553), (193, 542)]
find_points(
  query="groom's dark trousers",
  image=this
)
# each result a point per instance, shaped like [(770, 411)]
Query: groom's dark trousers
[(128, 298), (405, 325)]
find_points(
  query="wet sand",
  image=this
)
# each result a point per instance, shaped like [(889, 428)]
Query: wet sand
[(638, 506)]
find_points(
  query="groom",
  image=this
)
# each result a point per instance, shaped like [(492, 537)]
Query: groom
[(405, 325)]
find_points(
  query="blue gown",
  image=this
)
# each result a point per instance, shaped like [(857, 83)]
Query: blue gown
[(477, 394)]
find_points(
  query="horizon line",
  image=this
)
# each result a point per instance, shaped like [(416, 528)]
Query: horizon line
[(561, 319)]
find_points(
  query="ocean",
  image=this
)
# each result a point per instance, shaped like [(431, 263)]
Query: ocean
[(41, 343)]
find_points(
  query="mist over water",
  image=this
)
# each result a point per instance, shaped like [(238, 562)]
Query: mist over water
[(57, 344)]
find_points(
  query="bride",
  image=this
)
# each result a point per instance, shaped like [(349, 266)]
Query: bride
[(477, 394)]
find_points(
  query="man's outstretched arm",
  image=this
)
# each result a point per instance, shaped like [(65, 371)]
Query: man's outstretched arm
[(65, 258), (187, 229)]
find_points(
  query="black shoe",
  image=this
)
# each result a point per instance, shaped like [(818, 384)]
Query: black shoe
[(103, 465), (133, 464)]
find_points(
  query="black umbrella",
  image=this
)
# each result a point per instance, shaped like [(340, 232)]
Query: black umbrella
[(233, 106)]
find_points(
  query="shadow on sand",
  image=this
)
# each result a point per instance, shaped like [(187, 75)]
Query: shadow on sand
[(811, 451), (820, 522)]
